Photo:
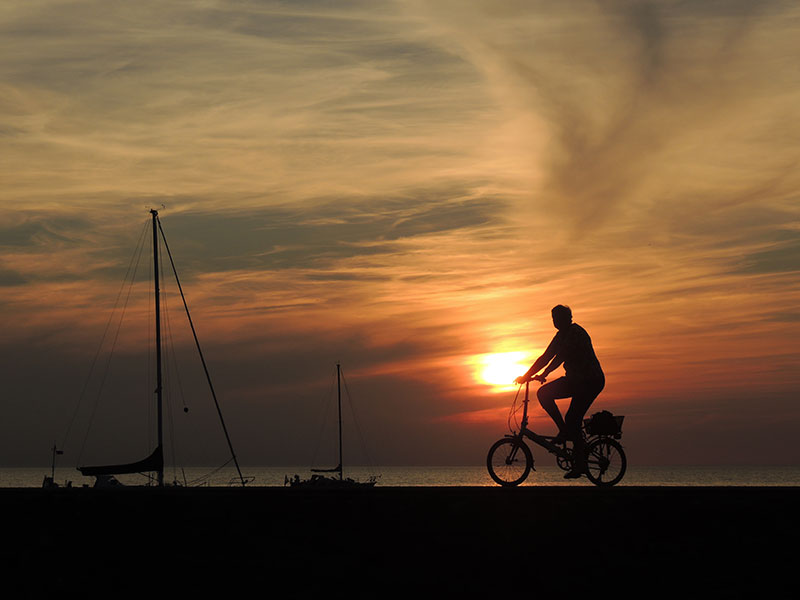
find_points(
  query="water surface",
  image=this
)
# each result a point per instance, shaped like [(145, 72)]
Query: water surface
[(432, 476)]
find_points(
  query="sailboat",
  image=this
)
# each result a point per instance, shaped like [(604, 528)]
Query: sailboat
[(338, 480), (154, 463)]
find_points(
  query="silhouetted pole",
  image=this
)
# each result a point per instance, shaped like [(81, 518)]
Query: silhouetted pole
[(56, 451), (158, 343), (339, 393)]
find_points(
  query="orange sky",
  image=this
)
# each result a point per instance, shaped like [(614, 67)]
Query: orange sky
[(407, 187)]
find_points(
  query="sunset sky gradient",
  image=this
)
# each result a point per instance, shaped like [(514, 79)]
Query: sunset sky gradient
[(407, 187)]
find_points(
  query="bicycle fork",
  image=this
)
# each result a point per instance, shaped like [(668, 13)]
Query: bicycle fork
[(519, 440)]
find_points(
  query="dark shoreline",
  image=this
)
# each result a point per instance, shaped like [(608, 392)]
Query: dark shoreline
[(711, 541)]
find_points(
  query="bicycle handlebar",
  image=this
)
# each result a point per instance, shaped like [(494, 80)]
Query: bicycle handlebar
[(539, 378)]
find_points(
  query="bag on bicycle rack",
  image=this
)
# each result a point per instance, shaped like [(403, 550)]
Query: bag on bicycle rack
[(604, 423)]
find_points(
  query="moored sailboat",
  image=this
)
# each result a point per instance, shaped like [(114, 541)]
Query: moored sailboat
[(154, 462), (338, 480)]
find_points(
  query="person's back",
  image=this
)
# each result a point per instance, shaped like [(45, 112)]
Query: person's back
[(580, 360)]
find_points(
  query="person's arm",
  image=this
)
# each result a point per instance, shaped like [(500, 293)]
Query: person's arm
[(541, 362), (557, 361), (566, 340)]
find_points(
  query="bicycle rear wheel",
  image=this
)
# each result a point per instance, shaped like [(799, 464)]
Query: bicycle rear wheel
[(606, 462), (509, 461)]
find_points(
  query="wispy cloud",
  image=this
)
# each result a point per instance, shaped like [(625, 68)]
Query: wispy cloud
[(408, 185)]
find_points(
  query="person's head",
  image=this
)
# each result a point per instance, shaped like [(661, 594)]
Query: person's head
[(562, 316)]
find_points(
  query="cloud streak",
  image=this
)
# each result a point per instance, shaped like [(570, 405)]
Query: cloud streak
[(405, 187)]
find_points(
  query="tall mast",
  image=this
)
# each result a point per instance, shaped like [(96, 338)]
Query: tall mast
[(339, 394), (158, 345)]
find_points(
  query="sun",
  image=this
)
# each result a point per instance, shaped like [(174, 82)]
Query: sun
[(500, 369)]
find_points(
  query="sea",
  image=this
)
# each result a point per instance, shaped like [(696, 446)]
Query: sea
[(425, 476)]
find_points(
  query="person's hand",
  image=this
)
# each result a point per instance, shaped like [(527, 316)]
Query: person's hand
[(522, 379), (540, 378)]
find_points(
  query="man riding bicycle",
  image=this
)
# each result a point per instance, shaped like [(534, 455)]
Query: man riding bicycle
[(583, 381)]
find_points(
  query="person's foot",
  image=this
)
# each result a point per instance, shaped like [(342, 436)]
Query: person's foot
[(574, 474)]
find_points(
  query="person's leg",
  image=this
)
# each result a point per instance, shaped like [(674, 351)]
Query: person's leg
[(547, 396), (578, 407), (584, 397)]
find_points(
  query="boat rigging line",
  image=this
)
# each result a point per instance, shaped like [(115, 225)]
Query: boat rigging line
[(356, 423), (134, 265), (200, 352)]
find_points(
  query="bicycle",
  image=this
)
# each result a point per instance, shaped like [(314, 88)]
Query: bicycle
[(510, 461)]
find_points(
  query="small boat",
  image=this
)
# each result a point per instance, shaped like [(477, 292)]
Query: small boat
[(338, 480), (154, 463)]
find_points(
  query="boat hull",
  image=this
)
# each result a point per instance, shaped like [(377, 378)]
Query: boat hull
[(320, 481)]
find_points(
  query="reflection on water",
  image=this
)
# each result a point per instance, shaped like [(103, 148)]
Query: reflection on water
[(438, 476)]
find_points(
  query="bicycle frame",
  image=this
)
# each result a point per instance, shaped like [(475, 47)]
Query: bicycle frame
[(545, 441)]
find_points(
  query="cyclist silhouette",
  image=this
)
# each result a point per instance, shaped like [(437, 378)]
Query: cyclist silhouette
[(583, 381)]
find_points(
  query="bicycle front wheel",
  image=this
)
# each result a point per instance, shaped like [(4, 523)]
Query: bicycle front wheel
[(606, 462), (509, 461)]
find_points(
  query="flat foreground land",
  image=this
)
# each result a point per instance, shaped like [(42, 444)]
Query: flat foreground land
[(652, 542)]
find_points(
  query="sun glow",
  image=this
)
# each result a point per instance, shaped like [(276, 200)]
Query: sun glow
[(500, 369)]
